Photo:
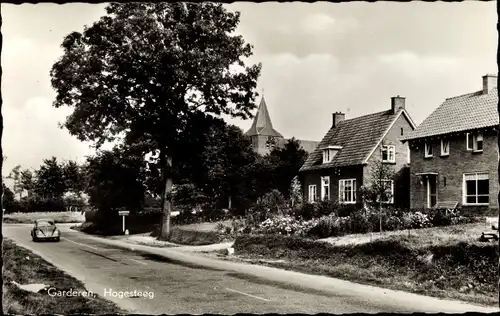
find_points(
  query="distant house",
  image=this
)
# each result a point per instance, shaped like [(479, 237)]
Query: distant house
[(454, 152), (342, 162), (265, 137)]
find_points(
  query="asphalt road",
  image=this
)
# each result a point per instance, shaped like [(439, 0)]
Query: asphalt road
[(196, 289)]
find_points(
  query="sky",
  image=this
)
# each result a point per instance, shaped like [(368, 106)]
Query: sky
[(317, 58)]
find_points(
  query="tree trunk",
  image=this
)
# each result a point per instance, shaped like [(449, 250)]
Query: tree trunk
[(229, 203), (166, 197), (380, 216)]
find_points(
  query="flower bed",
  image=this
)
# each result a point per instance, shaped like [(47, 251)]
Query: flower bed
[(359, 221)]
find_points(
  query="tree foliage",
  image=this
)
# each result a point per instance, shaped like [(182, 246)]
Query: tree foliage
[(27, 181), (15, 175), (144, 69), (286, 162), (50, 182), (115, 180), (74, 177)]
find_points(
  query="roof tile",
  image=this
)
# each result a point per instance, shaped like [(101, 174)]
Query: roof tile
[(357, 136), (462, 113)]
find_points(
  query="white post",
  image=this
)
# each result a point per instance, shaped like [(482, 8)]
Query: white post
[(123, 222)]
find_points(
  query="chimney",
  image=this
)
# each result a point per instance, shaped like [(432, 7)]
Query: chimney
[(397, 103), (489, 83), (337, 118)]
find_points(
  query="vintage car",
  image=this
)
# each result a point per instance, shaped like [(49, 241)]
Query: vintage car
[(45, 229)]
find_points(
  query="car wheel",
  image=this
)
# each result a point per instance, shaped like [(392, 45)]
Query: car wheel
[(58, 239), (34, 239)]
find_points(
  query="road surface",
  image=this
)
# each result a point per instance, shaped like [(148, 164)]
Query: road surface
[(211, 286)]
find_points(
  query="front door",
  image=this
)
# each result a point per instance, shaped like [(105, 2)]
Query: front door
[(431, 191)]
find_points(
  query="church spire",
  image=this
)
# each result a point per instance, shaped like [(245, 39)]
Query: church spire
[(262, 124)]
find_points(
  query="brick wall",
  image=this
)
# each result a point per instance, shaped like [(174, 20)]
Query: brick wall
[(452, 168), (314, 177), (401, 180)]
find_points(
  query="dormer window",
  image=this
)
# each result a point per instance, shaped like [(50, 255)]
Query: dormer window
[(329, 152), (389, 153), (474, 142)]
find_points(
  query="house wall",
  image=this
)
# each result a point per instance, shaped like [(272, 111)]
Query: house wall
[(401, 179), (452, 168), (314, 177)]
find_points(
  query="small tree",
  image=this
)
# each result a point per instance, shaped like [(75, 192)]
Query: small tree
[(379, 190), (15, 175)]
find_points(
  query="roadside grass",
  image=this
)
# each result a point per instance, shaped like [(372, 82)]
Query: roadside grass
[(24, 267), (205, 227), (445, 262), (58, 217), (198, 234)]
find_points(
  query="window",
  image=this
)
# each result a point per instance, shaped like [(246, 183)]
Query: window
[(389, 153), (347, 191), (326, 156), (402, 131), (476, 189), (312, 194), (478, 142), (445, 147), (474, 142), (325, 188), (388, 187), (428, 150)]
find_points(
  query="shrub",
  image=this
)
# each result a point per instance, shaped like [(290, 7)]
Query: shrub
[(306, 211), (362, 223), (325, 208), (90, 215), (346, 210), (392, 223), (420, 220)]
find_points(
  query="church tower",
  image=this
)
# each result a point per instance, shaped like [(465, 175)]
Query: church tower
[(264, 136)]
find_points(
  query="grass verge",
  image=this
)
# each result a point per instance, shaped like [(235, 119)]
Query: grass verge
[(24, 267), (58, 217), (451, 268)]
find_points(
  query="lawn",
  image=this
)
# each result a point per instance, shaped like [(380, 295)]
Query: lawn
[(58, 217), (446, 262), (23, 267)]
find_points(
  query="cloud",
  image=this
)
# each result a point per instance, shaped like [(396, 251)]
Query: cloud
[(317, 23)]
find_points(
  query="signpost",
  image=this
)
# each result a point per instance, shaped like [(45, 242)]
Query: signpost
[(123, 214)]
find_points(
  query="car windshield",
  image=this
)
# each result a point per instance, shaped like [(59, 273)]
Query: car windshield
[(45, 223)]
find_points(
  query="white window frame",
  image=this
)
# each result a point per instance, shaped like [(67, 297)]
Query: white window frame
[(464, 189), (323, 185), (478, 138), (428, 145), (327, 157), (468, 144), (342, 185), (311, 198), (391, 201), (443, 152), (390, 149)]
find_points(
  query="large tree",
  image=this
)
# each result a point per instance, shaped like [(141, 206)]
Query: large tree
[(115, 180), (50, 182), (15, 175), (27, 181), (144, 69), (286, 162), (74, 177)]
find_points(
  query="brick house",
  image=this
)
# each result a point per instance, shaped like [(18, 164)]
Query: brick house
[(454, 152), (342, 162), (264, 136)]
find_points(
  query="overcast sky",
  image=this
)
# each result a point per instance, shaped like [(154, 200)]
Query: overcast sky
[(317, 59)]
